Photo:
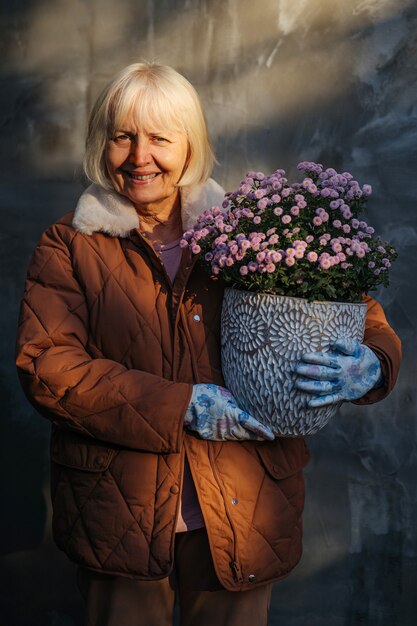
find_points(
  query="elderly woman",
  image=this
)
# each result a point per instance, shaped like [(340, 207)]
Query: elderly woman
[(161, 486)]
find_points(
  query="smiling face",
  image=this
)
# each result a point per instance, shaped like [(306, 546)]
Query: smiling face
[(145, 165)]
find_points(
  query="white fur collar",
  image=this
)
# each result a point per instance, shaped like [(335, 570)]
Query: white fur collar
[(107, 211)]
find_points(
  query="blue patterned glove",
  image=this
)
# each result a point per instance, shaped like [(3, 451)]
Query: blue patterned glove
[(214, 414), (347, 373)]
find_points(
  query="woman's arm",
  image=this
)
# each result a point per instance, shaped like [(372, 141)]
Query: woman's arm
[(382, 339), (95, 397)]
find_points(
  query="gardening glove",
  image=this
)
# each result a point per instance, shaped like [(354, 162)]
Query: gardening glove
[(348, 372), (214, 414)]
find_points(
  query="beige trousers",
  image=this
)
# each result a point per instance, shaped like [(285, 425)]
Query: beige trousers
[(119, 601)]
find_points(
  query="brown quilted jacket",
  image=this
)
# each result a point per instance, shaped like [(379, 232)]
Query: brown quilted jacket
[(108, 350)]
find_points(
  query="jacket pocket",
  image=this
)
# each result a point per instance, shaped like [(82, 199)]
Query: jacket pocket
[(80, 481), (278, 510), (283, 457), (73, 451)]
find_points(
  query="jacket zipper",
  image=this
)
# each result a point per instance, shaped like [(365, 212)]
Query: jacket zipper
[(157, 262), (234, 564), (236, 571)]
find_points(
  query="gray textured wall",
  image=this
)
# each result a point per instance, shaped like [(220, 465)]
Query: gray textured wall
[(282, 81)]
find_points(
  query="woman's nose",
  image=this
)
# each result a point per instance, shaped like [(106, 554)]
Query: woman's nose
[(140, 153)]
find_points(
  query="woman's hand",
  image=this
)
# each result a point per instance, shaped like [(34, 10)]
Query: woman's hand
[(346, 373), (214, 414)]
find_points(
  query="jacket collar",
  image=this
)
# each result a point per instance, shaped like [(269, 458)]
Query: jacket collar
[(101, 210)]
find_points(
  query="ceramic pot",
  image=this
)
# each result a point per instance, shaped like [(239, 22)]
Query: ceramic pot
[(263, 336)]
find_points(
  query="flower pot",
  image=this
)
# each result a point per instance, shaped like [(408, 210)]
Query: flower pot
[(262, 338)]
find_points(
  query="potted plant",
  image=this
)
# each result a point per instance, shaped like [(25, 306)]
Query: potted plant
[(298, 259)]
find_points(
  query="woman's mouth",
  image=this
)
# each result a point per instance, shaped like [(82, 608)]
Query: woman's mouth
[(142, 178)]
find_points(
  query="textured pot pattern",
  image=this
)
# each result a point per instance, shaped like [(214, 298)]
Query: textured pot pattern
[(263, 336)]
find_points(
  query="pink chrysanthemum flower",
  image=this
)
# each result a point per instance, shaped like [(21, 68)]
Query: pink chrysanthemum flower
[(260, 193), (276, 256)]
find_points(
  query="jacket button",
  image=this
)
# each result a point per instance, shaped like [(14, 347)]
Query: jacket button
[(196, 318), (99, 460), (235, 501), (175, 489), (251, 578)]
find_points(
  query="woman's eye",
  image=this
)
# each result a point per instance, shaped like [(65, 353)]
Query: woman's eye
[(159, 139), (122, 138)]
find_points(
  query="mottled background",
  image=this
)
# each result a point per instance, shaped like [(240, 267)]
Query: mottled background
[(282, 81)]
